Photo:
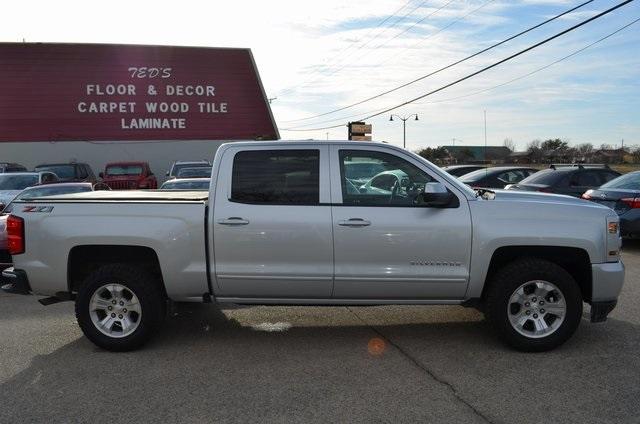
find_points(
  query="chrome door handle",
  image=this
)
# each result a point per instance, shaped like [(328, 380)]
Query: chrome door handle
[(354, 222), (234, 220)]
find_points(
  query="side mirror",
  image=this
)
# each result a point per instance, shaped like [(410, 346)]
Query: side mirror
[(167, 174), (435, 195), (101, 175)]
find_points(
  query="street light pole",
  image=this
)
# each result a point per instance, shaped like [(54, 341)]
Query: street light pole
[(404, 126)]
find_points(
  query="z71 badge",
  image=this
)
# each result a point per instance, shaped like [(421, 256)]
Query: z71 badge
[(42, 209)]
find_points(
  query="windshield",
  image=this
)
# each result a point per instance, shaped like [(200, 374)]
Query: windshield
[(177, 167), (200, 172), (545, 177), (116, 170), (17, 182), (186, 185), (629, 181), (52, 190), (362, 170), (474, 176), (64, 172)]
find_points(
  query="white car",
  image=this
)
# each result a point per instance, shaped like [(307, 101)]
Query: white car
[(11, 184), (280, 226), (187, 184), (30, 193)]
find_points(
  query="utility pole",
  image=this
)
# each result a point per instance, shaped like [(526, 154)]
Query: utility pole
[(485, 135), (327, 135), (404, 126)]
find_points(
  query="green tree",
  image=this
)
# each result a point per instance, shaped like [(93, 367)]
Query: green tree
[(433, 154), (554, 145)]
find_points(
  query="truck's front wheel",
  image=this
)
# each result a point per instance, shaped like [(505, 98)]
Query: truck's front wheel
[(534, 304), (119, 306)]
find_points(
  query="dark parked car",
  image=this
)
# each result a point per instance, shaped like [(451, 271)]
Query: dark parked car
[(70, 172), (11, 167), (198, 172), (621, 194), (178, 165), (572, 180), (460, 170), (497, 177)]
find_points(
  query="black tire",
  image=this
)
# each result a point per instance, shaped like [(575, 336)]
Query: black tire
[(509, 278), (138, 281)]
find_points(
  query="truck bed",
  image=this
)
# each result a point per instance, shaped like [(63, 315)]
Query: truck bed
[(150, 196)]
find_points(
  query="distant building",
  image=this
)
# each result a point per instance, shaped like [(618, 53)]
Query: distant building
[(478, 154), (521, 157), (608, 156)]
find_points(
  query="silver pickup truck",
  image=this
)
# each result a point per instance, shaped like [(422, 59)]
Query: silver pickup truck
[(320, 223)]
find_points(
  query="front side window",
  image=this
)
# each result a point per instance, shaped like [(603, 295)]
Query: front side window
[(388, 180), (276, 177), (64, 172)]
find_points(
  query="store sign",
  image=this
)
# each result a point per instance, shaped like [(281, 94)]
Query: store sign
[(67, 92)]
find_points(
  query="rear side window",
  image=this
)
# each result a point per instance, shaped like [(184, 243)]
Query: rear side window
[(276, 177), (587, 179)]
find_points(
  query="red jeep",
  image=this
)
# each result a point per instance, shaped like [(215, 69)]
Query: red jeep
[(129, 176)]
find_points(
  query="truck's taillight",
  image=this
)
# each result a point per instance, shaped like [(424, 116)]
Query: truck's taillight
[(15, 235), (633, 203)]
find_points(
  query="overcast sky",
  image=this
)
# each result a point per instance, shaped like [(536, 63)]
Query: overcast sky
[(317, 56)]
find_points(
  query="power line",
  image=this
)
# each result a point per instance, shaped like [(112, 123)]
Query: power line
[(493, 46), (528, 74), (433, 34), (484, 90), (352, 44), (486, 68), (375, 48), (390, 39)]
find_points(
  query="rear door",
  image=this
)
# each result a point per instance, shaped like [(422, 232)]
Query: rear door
[(385, 246), (271, 224), (582, 181)]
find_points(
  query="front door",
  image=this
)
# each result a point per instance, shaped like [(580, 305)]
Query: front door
[(386, 246), (271, 235)]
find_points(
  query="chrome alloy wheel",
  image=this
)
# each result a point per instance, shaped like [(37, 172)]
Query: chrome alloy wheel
[(115, 310), (536, 309)]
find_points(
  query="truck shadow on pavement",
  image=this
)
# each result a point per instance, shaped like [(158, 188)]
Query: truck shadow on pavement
[(388, 364)]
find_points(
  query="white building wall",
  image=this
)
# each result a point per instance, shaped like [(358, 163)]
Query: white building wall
[(159, 154)]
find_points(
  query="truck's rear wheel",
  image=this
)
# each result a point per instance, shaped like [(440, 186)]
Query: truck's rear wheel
[(119, 306), (534, 304)]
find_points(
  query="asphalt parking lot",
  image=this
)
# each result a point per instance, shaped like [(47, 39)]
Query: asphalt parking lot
[(302, 364)]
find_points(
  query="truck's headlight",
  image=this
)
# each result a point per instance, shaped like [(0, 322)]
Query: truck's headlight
[(613, 227)]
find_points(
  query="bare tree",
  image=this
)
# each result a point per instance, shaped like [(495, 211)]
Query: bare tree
[(509, 144)]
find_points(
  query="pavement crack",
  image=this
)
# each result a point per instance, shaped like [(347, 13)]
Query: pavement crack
[(424, 368)]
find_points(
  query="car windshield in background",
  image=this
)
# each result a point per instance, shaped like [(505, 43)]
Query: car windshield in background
[(186, 185), (64, 172), (17, 182), (198, 172), (124, 170), (629, 181), (176, 168), (474, 176), (545, 177), (52, 190)]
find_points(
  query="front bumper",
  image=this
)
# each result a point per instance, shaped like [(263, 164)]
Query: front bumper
[(17, 282), (607, 280)]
